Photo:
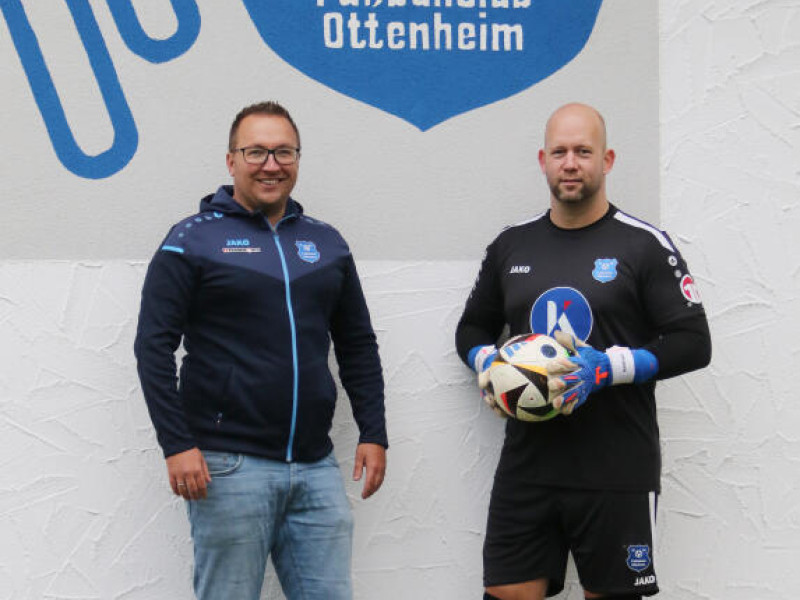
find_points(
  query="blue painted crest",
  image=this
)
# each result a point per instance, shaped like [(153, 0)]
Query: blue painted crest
[(605, 269), (426, 60), (564, 309), (638, 558), (307, 251)]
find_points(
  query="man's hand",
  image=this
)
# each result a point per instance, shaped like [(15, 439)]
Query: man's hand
[(371, 457), (188, 474), (482, 359), (589, 370), (574, 378)]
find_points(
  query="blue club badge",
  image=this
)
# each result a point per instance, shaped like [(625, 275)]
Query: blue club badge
[(605, 269), (307, 251), (638, 558), (426, 60)]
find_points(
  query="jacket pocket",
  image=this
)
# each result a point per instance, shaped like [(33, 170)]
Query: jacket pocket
[(223, 403), (206, 393)]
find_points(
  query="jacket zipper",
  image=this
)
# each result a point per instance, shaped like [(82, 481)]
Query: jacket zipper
[(293, 329)]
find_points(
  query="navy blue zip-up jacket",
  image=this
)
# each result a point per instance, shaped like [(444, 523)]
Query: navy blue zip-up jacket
[(256, 308)]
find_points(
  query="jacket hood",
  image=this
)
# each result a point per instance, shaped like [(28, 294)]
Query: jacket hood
[(222, 201)]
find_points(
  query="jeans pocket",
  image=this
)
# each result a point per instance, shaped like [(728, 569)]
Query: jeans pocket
[(222, 463), (330, 461)]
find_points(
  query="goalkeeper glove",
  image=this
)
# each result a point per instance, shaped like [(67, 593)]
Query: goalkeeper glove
[(588, 370), (481, 358)]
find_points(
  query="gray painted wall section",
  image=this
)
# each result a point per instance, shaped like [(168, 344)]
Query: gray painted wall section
[(395, 192)]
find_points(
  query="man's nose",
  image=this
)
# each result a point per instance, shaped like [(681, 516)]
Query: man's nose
[(271, 163), (570, 161)]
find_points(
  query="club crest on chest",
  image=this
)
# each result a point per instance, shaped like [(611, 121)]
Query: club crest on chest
[(605, 269), (307, 251)]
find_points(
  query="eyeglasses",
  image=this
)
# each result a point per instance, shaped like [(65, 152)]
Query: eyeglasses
[(256, 155)]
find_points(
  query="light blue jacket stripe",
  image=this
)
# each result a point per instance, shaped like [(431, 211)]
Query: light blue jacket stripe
[(295, 362)]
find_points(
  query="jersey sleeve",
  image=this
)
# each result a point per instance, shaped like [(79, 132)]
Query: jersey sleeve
[(166, 298), (669, 290), (674, 308), (483, 318)]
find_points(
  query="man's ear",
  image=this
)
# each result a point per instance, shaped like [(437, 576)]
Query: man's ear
[(608, 161)]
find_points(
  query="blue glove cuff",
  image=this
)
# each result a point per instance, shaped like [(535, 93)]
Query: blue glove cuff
[(480, 356), (631, 366), (646, 365)]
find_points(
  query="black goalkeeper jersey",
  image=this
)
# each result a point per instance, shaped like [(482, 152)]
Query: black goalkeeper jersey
[(619, 281)]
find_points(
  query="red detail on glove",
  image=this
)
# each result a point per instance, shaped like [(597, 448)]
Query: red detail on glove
[(599, 375)]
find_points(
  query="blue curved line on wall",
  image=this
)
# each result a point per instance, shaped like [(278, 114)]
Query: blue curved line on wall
[(155, 50), (126, 137)]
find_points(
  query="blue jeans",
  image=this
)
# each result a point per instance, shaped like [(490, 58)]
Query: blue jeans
[(296, 512)]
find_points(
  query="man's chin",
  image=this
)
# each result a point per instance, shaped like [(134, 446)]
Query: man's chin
[(270, 203), (570, 198)]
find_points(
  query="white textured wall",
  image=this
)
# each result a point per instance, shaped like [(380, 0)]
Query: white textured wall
[(730, 153), (84, 509)]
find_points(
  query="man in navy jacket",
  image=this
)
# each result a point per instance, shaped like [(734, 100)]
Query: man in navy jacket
[(256, 290)]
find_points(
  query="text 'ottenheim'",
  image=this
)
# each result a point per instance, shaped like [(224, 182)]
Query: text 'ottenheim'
[(450, 25)]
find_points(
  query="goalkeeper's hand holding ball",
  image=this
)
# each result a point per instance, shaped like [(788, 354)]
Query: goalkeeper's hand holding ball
[(481, 359), (588, 370)]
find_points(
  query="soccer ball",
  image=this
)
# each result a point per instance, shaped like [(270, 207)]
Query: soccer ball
[(518, 377)]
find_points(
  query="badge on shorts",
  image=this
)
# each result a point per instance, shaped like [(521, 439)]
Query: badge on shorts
[(638, 558), (307, 251), (605, 269)]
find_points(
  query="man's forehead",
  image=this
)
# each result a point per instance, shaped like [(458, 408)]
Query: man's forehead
[(259, 121), (260, 125), (575, 125)]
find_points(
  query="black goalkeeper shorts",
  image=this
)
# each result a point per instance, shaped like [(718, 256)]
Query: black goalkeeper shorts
[(531, 530)]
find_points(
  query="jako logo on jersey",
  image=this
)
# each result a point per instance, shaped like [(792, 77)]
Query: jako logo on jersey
[(307, 251), (562, 308), (239, 246), (638, 558), (689, 289), (647, 580), (605, 269), (520, 269)]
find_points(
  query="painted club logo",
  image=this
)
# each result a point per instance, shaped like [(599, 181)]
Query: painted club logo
[(562, 308), (689, 289), (426, 60)]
